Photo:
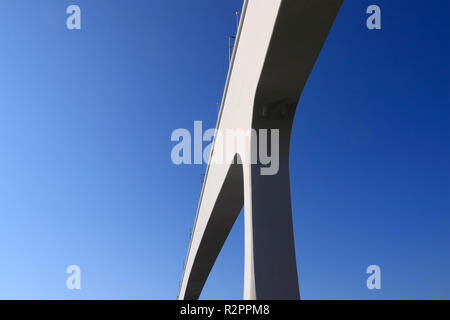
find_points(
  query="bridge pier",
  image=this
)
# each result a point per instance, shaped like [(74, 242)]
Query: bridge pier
[(277, 45)]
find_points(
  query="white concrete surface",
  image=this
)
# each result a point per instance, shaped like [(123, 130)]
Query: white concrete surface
[(276, 48)]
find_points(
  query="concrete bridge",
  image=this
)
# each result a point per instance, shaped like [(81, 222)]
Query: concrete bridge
[(277, 45)]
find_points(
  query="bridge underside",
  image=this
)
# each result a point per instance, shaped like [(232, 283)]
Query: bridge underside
[(276, 48)]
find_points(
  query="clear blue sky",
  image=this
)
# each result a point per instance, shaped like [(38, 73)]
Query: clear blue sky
[(85, 170)]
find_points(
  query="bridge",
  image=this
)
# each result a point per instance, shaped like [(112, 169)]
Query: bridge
[(276, 47)]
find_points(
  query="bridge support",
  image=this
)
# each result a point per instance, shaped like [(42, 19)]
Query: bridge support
[(277, 45)]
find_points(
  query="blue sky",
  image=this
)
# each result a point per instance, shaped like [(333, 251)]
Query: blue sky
[(85, 170)]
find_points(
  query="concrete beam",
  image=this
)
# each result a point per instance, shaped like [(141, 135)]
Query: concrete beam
[(277, 45)]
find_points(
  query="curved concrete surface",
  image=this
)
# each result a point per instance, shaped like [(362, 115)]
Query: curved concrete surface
[(276, 48)]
